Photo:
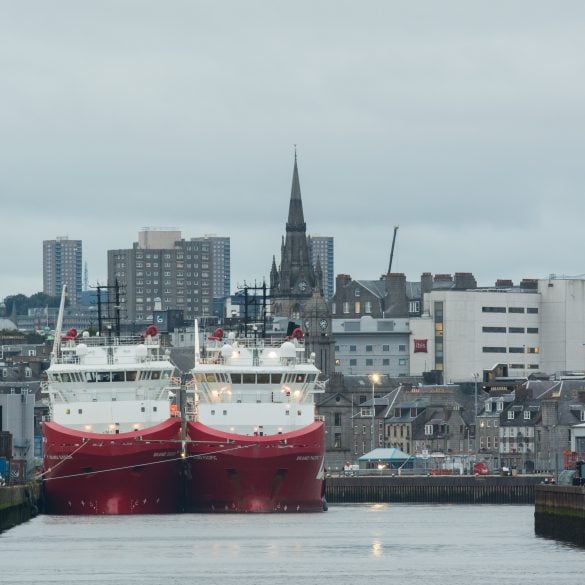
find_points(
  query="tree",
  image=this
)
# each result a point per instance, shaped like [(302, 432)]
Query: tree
[(24, 303)]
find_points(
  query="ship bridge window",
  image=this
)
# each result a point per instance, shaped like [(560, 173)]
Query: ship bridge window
[(103, 376), (276, 378), (236, 378), (249, 378), (311, 377), (166, 374), (90, 376), (211, 377), (117, 376), (200, 377), (155, 375), (131, 376), (300, 378), (263, 378), (65, 377), (144, 376)]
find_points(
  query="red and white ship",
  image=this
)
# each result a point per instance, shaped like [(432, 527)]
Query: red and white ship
[(256, 444), (112, 446)]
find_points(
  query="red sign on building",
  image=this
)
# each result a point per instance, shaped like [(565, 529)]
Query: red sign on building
[(420, 345)]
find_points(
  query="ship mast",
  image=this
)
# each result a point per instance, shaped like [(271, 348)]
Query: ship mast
[(59, 326)]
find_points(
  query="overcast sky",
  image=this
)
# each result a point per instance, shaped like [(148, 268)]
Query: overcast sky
[(463, 122)]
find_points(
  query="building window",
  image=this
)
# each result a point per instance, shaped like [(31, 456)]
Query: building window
[(369, 362), (346, 308), (532, 350), (353, 362), (493, 329), (356, 292), (369, 348), (402, 362), (532, 330), (526, 415), (532, 310), (499, 405), (337, 419), (494, 350), (357, 307), (386, 362), (515, 309), (516, 330), (368, 307), (583, 416), (493, 309), (337, 441), (353, 348), (402, 348), (516, 349), (510, 415), (333, 308), (428, 430), (385, 348)]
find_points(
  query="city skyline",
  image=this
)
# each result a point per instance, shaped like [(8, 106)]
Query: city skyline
[(462, 124)]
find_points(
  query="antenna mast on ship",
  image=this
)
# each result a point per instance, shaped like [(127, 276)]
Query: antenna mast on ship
[(116, 305), (253, 300)]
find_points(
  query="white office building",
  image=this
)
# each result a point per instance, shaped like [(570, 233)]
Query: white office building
[(538, 326)]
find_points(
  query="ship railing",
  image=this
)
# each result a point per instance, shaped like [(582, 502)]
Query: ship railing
[(258, 342), (105, 340), (99, 361), (256, 362)]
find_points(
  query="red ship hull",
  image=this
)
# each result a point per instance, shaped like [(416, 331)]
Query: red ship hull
[(238, 473), (128, 473)]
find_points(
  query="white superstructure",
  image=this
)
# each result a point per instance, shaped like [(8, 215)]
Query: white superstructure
[(255, 386), (110, 384)]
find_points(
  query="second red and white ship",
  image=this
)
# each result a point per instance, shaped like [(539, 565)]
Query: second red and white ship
[(256, 444)]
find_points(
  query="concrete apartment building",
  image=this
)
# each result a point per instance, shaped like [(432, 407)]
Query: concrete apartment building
[(62, 264), (322, 247), (162, 265), (367, 345)]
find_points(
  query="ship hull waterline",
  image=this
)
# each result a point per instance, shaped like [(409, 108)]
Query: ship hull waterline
[(262, 474), (127, 473)]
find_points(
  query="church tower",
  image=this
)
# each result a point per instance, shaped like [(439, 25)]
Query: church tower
[(296, 288)]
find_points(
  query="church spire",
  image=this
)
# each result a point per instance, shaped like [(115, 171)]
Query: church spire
[(296, 219)]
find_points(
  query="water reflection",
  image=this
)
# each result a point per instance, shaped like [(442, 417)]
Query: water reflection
[(415, 544), (377, 550)]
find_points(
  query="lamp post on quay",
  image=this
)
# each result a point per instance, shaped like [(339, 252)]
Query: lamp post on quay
[(475, 378), (375, 378)]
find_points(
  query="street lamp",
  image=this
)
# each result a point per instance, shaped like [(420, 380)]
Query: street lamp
[(375, 378), (475, 377)]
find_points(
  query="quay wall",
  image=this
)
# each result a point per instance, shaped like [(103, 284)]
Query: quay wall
[(433, 489), (18, 504), (560, 513)]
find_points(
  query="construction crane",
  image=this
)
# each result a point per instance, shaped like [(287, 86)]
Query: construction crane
[(392, 249)]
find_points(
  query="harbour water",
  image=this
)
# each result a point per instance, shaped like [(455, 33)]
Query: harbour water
[(373, 544)]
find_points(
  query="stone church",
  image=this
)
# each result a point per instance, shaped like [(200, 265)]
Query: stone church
[(296, 286)]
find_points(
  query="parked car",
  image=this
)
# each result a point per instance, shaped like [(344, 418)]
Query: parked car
[(480, 469)]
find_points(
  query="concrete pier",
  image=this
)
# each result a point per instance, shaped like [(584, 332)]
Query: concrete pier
[(560, 513), (18, 504), (433, 489)]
